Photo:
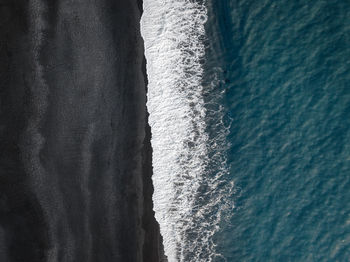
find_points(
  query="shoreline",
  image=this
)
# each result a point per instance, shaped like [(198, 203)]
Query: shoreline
[(153, 249), (76, 160)]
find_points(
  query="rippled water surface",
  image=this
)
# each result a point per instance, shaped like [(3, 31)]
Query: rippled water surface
[(282, 72)]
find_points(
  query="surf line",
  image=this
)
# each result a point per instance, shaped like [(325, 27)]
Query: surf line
[(173, 33)]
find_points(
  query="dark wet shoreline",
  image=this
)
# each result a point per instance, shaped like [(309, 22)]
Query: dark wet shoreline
[(76, 159)]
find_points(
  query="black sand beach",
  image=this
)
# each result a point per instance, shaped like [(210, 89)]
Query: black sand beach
[(75, 153)]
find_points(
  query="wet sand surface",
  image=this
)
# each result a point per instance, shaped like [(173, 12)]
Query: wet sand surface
[(75, 158)]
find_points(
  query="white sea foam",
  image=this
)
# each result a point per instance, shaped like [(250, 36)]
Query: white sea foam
[(173, 32)]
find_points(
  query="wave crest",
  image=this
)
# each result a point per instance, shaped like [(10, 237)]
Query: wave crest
[(173, 32)]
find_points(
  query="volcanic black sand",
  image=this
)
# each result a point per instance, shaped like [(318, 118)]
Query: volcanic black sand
[(75, 153)]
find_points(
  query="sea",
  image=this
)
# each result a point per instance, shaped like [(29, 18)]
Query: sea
[(249, 104)]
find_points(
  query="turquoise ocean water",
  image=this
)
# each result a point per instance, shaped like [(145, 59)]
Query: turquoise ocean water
[(280, 76)]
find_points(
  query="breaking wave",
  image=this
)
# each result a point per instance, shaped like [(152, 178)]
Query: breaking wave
[(187, 196)]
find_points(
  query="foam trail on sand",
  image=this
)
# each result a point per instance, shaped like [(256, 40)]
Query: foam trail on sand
[(173, 33), (188, 133)]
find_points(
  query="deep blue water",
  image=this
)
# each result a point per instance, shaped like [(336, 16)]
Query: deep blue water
[(284, 81)]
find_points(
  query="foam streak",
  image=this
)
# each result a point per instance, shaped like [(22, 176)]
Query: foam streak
[(172, 32)]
